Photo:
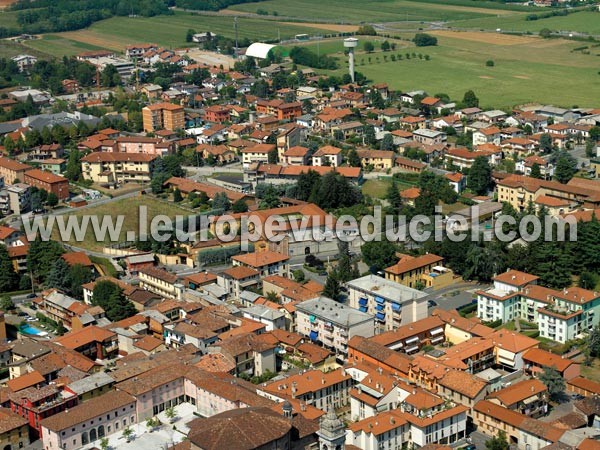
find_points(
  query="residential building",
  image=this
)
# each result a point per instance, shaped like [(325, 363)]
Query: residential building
[(236, 279), (388, 430), (272, 318), (161, 282), (332, 324), (528, 397), (49, 182), (12, 170), (377, 159), (93, 342), (420, 271), (391, 303), (313, 387), (429, 137), (14, 430), (327, 156), (163, 116), (536, 360), (37, 403), (265, 262), (118, 168), (24, 62), (90, 421)]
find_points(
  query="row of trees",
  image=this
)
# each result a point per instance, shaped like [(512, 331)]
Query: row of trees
[(41, 16)]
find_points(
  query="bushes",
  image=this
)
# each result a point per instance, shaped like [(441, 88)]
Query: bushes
[(424, 40), (489, 63)]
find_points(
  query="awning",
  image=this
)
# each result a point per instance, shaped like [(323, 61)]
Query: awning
[(530, 400), (437, 331), (380, 307), (412, 349), (395, 306), (412, 340), (362, 309), (380, 316), (363, 301), (437, 339), (312, 318), (314, 335), (379, 299)]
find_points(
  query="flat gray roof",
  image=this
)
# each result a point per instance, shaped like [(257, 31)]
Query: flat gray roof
[(387, 289), (334, 312), (90, 383)]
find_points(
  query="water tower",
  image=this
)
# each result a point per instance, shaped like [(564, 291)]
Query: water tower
[(351, 44)]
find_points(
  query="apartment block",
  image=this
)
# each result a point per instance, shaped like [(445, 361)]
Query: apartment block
[(163, 116)]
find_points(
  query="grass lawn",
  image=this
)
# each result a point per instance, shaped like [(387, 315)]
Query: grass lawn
[(58, 46), (583, 21), (376, 188), (128, 208), (105, 266), (169, 31), (592, 372), (358, 11), (527, 69)]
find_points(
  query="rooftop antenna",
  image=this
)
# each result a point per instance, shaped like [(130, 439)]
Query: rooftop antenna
[(235, 26)]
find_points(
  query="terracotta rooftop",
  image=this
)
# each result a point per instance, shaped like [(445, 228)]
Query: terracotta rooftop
[(10, 420), (544, 358), (519, 392), (94, 407), (242, 429), (260, 259), (307, 382), (463, 383), (24, 381), (516, 278), (74, 258), (409, 263), (87, 335)]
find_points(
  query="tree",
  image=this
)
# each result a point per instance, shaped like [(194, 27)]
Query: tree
[(77, 276), (353, 158), (73, 171), (370, 138), (345, 271), (239, 206), (41, 256), (335, 191), (177, 197), (546, 143), (273, 156), (498, 442), (385, 46), (368, 47), (535, 171), (593, 341), (189, 37), (470, 100), (587, 280), (110, 297), (6, 304), (566, 167), (379, 254), (545, 33), (104, 443), (9, 279), (127, 432), (553, 380), (489, 63), (393, 197), (151, 423), (424, 40), (387, 143), (58, 275), (332, 288), (60, 328), (52, 200), (220, 201), (170, 413), (480, 176), (299, 275)]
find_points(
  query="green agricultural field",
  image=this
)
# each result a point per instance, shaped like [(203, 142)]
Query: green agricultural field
[(170, 31), (584, 22), (358, 11), (8, 19), (526, 69), (128, 208), (58, 46)]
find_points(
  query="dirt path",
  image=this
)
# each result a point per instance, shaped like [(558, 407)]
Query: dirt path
[(487, 38)]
